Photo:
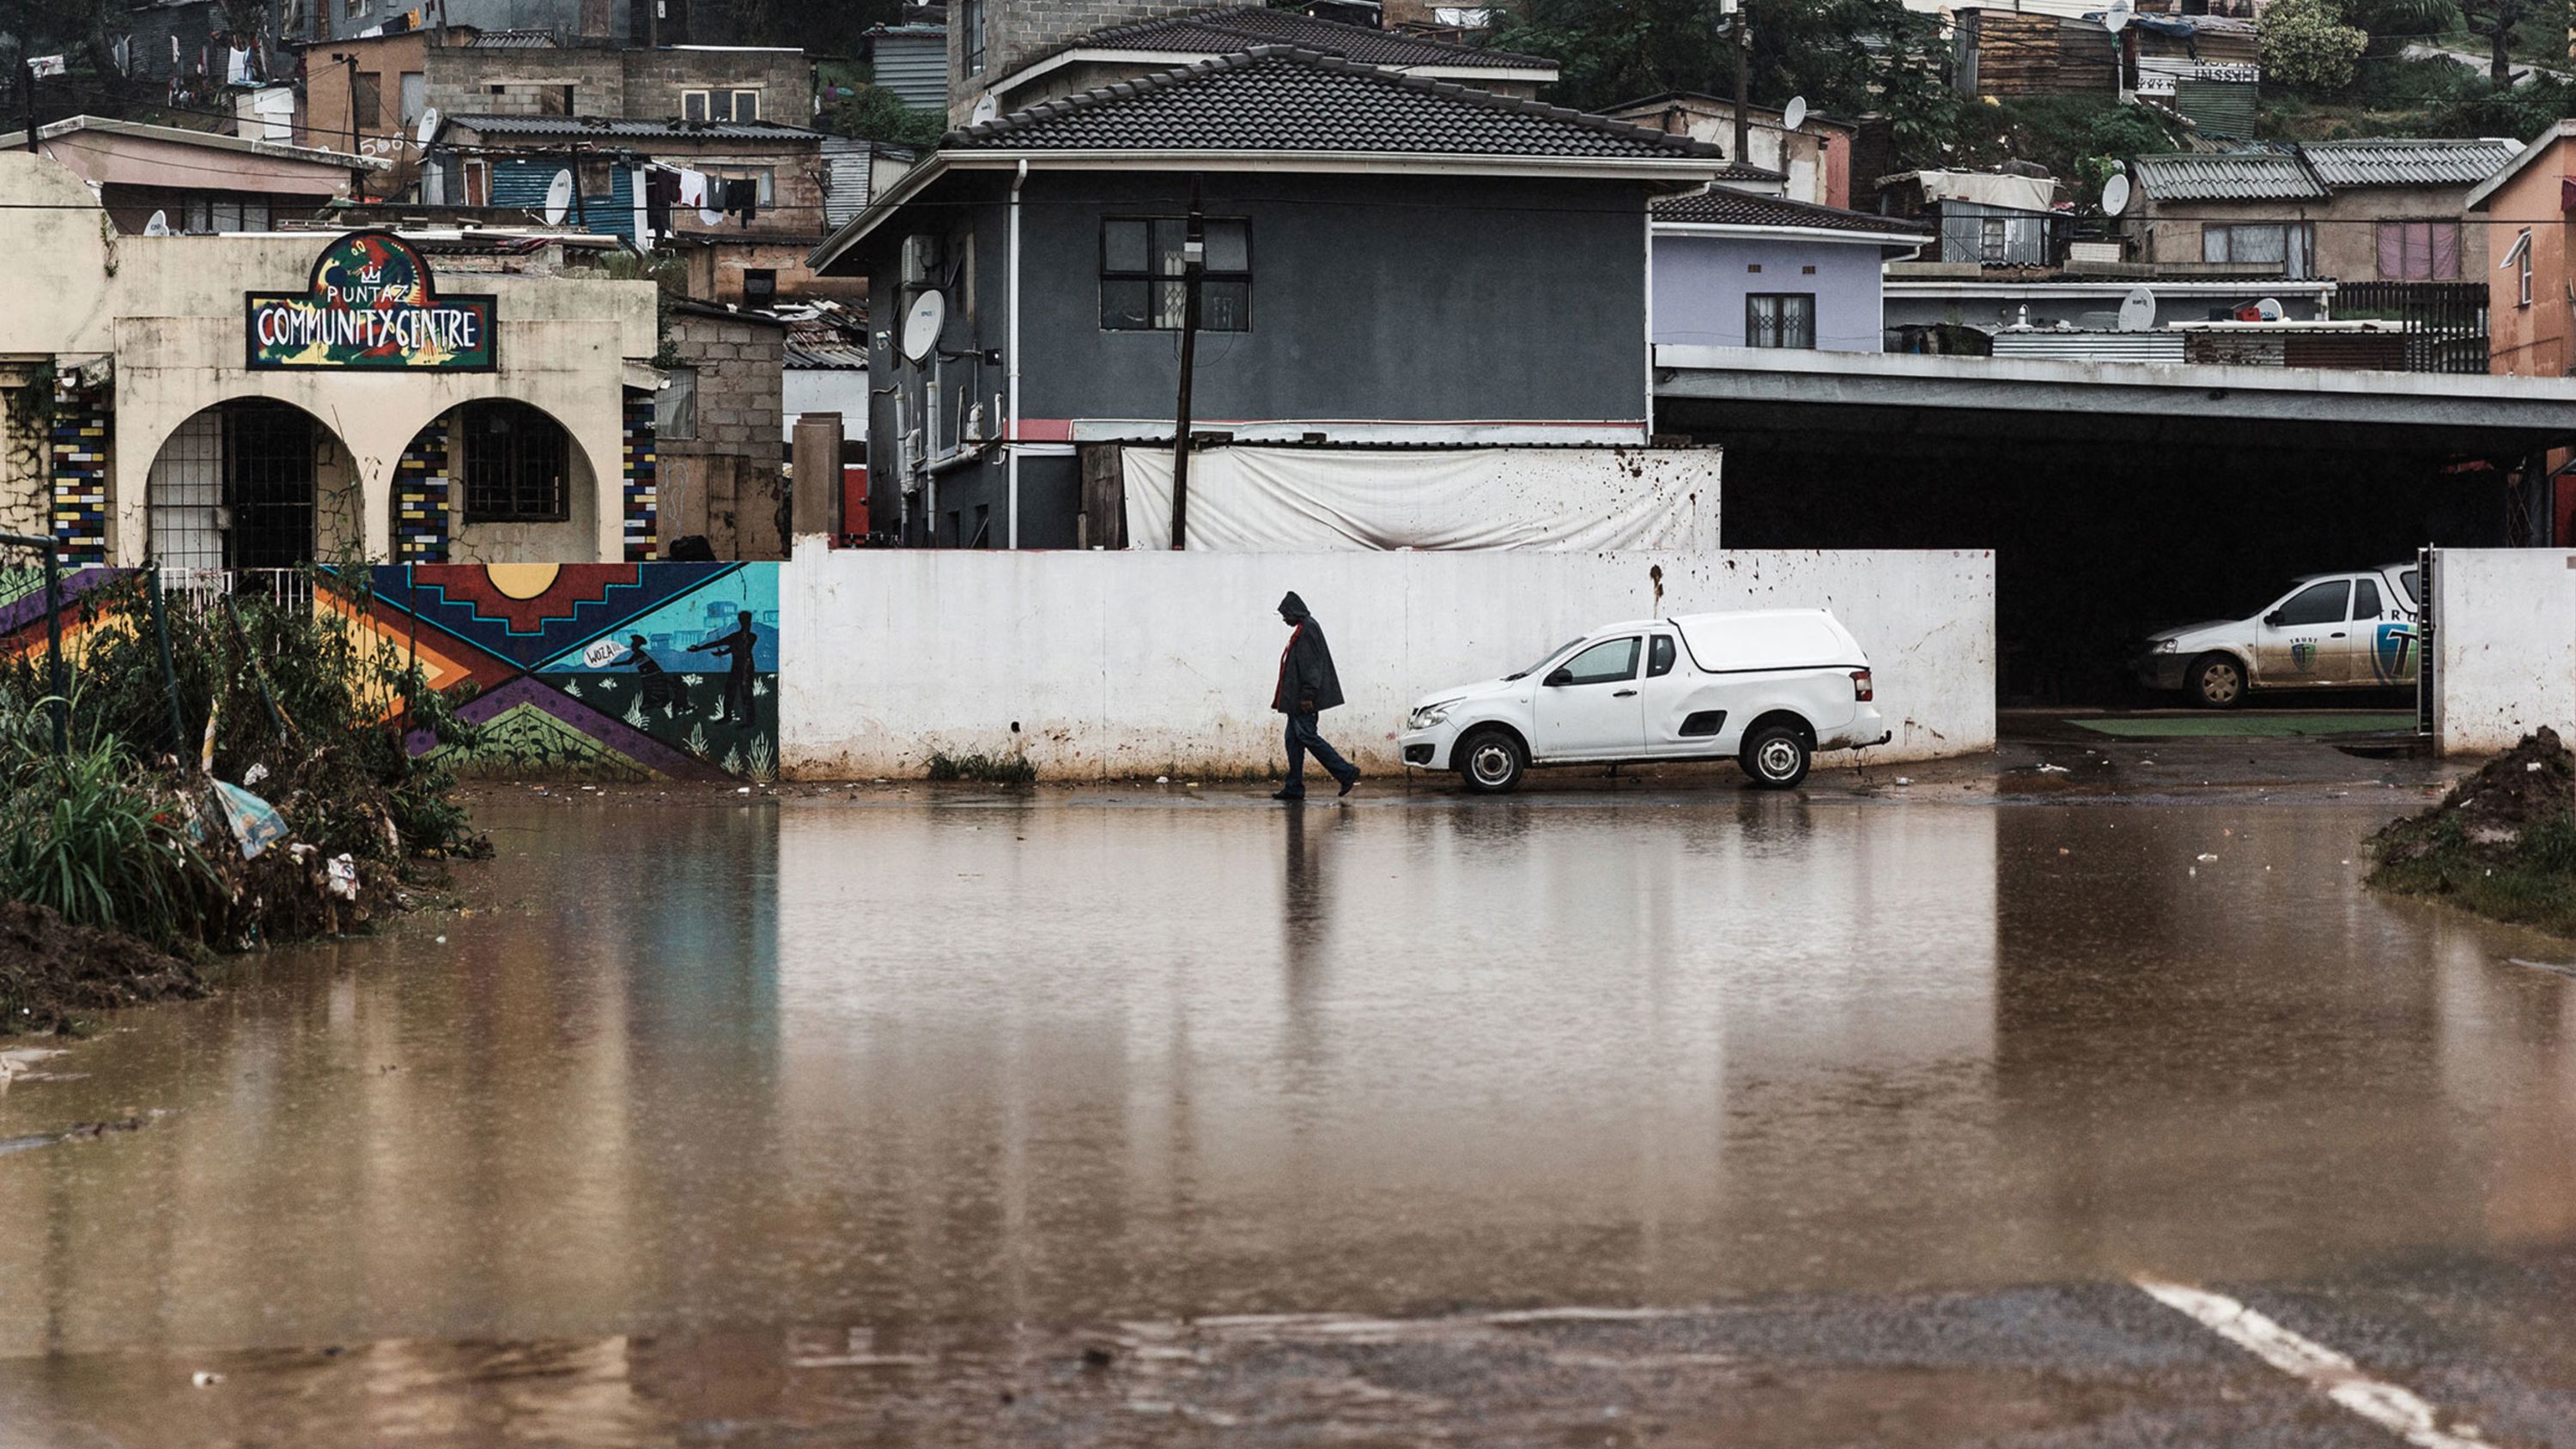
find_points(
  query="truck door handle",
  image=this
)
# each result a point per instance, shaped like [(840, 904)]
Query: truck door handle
[(1623, 694), (2336, 634)]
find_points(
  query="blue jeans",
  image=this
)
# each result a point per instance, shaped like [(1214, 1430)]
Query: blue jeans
[(1302, 741)]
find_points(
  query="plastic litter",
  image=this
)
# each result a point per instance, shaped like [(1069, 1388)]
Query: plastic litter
[(204, 1380), (255, 774), (344, 877), (2207, 856), (255, 822)]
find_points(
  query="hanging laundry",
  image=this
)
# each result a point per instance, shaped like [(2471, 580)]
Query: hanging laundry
[(237, 70), (661, 193), (742, 199), (697, 190)]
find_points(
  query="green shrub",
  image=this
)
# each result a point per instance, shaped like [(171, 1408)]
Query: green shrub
[(990, 769), (90, 836)]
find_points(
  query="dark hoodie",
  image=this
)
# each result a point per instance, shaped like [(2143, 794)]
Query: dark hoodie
[(1307, 683)]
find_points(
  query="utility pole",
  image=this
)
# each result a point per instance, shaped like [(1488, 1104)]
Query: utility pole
[(652, 22), (27, 89), (1193, 269), (1743, 82)]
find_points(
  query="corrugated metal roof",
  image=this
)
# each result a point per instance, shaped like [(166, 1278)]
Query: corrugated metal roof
[(2397, 162), (2229, 176), (633, 130), (848, 170), (2147, 347)]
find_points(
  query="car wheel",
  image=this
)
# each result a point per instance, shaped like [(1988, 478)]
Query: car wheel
[(2218, 681), (1491, 762), (1774, 757)]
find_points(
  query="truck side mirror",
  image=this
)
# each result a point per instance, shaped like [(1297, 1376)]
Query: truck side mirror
[(2273, 618), (1558, 678)]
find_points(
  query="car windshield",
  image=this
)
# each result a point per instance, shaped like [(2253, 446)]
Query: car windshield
[(1542, 659)]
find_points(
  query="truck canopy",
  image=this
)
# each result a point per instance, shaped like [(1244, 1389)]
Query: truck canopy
[(1768, 639)]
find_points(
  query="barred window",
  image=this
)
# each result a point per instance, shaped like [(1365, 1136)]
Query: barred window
[(516, 459), (1780, 319)]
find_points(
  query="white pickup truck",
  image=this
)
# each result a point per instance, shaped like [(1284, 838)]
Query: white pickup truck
[(2330, 631), (1765, 688)]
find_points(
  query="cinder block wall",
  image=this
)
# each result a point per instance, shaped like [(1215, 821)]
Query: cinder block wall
[(1018, 32), (725, 483)]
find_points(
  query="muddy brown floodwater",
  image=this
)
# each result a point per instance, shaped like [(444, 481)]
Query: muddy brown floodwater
[(841, 1076)]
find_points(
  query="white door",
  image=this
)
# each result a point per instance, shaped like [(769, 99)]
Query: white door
[(2301, 640), (184, 491), (1588, 706), (1675, 701)]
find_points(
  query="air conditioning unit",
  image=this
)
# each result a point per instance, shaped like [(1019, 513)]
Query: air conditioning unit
[(920, 260)]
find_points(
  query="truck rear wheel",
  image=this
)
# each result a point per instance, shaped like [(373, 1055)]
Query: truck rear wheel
[(1491, 762), (1774, 757)]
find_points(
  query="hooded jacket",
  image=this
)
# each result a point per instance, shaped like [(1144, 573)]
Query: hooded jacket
[(1306, 674)]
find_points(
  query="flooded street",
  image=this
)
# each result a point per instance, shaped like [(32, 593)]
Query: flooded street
[(793, 1116)]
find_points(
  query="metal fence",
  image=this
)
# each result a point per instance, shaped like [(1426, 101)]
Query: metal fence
[(2446, 322), (202, 587)]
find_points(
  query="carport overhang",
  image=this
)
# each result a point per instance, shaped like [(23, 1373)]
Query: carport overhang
[(1881, 403)]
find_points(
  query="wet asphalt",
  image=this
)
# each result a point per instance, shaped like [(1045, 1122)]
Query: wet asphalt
[(1618, 1112)]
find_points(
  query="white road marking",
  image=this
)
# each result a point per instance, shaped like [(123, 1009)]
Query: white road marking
[(2397, 1410)]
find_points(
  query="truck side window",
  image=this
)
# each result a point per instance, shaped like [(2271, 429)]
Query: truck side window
[(2365, 599), (1659, 656), (2317, 604), (1609, 660)]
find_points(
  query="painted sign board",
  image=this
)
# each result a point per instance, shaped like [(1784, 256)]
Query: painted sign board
[(371, 305)]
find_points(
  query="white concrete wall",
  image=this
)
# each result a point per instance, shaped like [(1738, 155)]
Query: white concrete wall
[(2504, 646), (1135, 663)]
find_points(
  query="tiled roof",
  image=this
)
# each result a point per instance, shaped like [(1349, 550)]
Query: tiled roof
[(2230, 176), (626, 130), (1720, 207), (2460, 162), (1279, 98), (1223, 31)]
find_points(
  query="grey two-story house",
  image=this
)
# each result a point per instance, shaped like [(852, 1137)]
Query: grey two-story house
[(1390, 258)]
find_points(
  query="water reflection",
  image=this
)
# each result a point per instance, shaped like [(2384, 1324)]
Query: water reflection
[(1014, 1062)]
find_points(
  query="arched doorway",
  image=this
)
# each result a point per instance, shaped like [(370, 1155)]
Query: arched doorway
[(249, 484)]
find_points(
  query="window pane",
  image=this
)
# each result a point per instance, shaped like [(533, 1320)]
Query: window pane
[(2213, 244), (1171, 304), (1122, 246), (746, 105), (1169, 235), (2258, 244), (1659, 656), (2317, 604), (2392, 250), (2446, 250), (1798, 321), (1605, 662), (675, 408), (693, 105), (1229, 246), (1225, 306), (2365, 599), (1123, 306), (2411, 582)]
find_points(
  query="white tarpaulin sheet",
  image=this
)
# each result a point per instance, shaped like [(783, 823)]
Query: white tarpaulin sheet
[(1292, 500)]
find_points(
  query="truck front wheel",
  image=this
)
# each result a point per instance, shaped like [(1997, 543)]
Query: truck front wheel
[(2218, 681), (1491, 761)]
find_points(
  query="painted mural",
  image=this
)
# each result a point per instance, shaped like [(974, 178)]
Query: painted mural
[(627, 670)]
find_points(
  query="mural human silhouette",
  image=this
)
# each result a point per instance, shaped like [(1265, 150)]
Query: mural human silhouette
[(737, 647)]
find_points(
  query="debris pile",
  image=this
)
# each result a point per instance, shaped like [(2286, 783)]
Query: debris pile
[(2502, 843), (2528, 787), (52, 972)]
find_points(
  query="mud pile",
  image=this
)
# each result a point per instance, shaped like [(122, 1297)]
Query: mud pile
[(2527, 787), (51, 972)]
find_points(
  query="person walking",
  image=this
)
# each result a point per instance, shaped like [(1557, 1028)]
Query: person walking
[(1307, 687)]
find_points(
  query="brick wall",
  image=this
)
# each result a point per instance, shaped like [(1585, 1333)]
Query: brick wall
[(1018, 32), (656, 80), (724, 483), (463, 82)]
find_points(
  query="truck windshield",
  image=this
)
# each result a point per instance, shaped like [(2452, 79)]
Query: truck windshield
[(1542, 659)]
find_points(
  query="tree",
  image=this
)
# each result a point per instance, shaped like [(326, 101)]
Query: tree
[(2494, 19), (2307, 47), (877, 114)]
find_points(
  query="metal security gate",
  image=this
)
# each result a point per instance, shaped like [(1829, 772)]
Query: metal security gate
[(2424, 651), (268, 485), (185, 493)]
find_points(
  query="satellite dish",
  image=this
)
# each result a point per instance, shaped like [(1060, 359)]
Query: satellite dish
[(2115, 20), (428, 125), (558, 198), (1794, 114), (2138, 310), (985, 109), (159, 225), (921, 326), (2115, 194)]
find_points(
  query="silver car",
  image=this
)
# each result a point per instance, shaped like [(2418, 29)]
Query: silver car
[(2330, 631)]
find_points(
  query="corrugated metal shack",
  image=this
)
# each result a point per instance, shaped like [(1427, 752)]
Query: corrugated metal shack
[(2014, 53), (912, 62)]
